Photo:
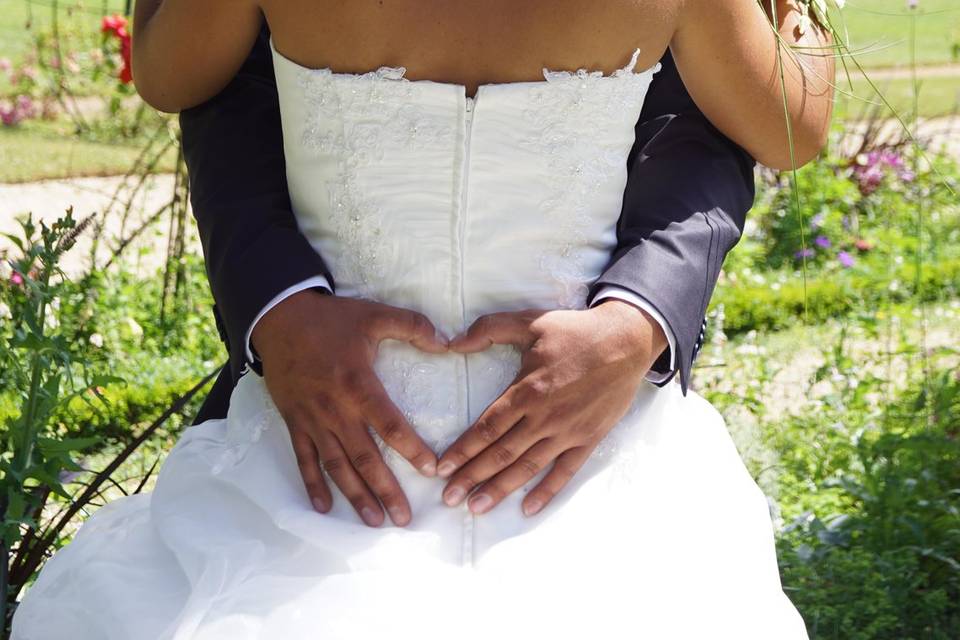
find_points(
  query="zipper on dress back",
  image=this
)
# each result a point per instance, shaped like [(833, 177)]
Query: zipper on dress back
[(469, 519)]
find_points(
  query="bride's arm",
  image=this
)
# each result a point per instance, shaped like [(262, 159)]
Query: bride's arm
[(186, 51), (726, 53)]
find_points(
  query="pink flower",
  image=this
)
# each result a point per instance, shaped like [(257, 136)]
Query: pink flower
[(5, 64), (17, 279)]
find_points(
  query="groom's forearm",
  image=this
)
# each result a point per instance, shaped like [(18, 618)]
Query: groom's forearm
[(253, 247), (687, 195)]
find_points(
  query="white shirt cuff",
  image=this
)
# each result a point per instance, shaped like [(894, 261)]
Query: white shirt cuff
[(612, 291), (309, 283)]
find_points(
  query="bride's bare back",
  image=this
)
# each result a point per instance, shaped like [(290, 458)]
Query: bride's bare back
[(471, 43), (185, 51)]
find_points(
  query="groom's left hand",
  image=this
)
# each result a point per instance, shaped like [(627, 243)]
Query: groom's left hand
[(580, 371)]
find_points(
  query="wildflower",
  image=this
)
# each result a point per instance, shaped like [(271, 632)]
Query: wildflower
[(822, 241), (116, 26), (17, 279), (5, 65), (804, 253), (5, 311), (845, 259), (5, 270), (862, 245), (872, 168), (816, 221), (133, 327), (96, 340)]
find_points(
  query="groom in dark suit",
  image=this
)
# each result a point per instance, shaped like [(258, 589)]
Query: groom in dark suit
[(688, 193)]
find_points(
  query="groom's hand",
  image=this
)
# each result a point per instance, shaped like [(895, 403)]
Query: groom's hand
[(317, 352), (579, 373)]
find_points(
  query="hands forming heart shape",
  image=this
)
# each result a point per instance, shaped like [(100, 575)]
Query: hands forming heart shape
[(580, 371)]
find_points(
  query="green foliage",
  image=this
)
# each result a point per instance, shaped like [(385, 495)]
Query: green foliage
[(862, 241), (872, 549)]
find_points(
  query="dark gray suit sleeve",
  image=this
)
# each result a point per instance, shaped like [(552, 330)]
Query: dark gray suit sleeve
[(686, 200), (233, 146)]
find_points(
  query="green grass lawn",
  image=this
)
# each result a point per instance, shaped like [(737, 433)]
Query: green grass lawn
[(18, 18), (40, 150), (880, 29), (938, 96)]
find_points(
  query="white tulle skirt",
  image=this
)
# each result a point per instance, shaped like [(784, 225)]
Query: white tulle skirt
[(662, 534)]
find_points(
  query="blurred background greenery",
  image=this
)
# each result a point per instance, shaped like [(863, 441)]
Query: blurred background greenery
[(832, 342)]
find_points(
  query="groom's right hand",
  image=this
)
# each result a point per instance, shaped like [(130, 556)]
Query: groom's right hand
[(318, 352)]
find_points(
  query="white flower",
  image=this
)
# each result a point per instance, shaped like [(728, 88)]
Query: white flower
[(96, 340), (5, 270), (5, 311), (134, 328)]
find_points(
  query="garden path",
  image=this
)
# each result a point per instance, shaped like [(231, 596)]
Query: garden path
[(48, 198)]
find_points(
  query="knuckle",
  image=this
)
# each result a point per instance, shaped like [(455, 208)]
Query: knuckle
[(419, 323), (351, 380), (486, 431), (528, 467), (363, 460), (393, 432), (502, 455), (334, 464)]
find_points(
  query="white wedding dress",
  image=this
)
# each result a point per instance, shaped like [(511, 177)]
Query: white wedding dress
[(420, 197)]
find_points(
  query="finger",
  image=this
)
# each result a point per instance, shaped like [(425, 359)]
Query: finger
[(409, 326), (367, 460), (523, 470), (392, 426), (563, 470), (308, 461), (491, 461), (496, 328), (495, 421), (337, 465)]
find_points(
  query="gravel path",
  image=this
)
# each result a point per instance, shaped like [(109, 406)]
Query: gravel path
[(48, 199)]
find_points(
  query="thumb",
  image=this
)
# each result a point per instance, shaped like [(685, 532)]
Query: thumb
[(496, 328), (409, 326)]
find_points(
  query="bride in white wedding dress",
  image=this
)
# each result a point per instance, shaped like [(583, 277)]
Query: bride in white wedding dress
[(421, 197)]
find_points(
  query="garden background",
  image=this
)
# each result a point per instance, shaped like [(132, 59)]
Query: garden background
[(832, 343)]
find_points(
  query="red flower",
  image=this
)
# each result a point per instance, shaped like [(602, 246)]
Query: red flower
[(116, 25), (863, 245), (126, 73)]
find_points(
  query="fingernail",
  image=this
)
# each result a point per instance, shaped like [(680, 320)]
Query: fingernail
[(429, 469), (370, 516), (398, 515), (319, 505), (532, 507), (446, 468), (481, 503), (454, 496)]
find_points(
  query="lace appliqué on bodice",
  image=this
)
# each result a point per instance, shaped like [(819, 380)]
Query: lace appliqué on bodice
[(354, 119), (570, 112)]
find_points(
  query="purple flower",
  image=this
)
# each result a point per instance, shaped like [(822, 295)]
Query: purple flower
[(822, 241), (816, 221), (804, 253), (872, 168), (845, 259)]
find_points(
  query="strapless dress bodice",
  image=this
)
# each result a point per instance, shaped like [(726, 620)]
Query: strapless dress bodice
[(420, 197)]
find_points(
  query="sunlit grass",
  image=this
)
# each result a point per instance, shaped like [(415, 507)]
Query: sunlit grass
[(40, 150)]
